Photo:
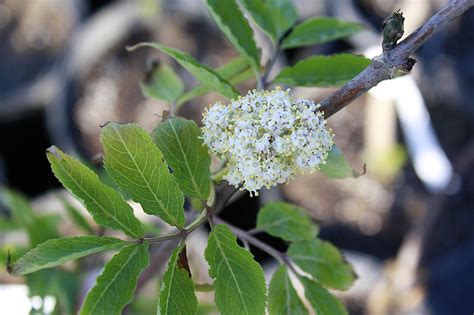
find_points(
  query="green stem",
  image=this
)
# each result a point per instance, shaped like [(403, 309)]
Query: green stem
[(198, 221)]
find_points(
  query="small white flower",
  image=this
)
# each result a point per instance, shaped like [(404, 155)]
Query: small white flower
[(267, 138)]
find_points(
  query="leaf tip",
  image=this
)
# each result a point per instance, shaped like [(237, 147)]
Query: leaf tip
[(54, 150)]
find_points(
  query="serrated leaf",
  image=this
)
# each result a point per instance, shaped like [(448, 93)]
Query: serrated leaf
[(163, 84), (282, 297), (203, 73), (177, 290), (320, 30), (105, 204), (116, 284), (55, 252), (180, 141), (324, 262), (287, 221), (238, 279), (233, 68), (137, 166), (322, 301), (337, 166), (323, 71), (233, 24), (275, 17)]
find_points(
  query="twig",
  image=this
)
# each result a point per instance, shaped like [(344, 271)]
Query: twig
[(262, 83), (385, 66)]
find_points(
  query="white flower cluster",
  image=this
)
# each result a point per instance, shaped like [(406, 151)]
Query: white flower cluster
[(267, 137)]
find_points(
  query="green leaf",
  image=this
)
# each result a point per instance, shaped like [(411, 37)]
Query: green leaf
[(38, 228), (177, 289), (233, 24), (180, 141), (323, 302), (76, 216), (19, 206), (287, 221), (163, 84), (324, 262), (137, 166), (116, 284), (233, 69), (323, 71), (275, 17), (282, 297), (203, 73), (105, 204), (45, 227), (8, 224), (320, 30), (337, 166), (55, 252), (63, 285), (238, 279)]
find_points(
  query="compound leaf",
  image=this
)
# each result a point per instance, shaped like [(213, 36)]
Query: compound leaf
[(184, 151), (55, 252), (105, 204), (137, 166), (114, 287), (287, 221), (238, 279), (324, 262)]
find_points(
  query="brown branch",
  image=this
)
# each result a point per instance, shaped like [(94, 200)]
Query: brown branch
[(384, 67)]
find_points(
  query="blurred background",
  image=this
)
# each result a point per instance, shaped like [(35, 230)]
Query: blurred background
[(406, 225)]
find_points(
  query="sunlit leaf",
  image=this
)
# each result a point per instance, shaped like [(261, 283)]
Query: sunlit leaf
[(55, 252), (180, 141), (105, 204), (137, 166)]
